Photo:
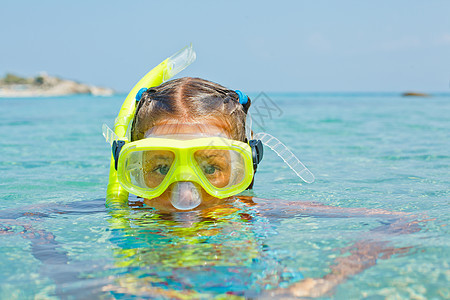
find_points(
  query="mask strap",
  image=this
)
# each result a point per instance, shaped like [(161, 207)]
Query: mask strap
[(243, 99), (288, 157), (257, 152), (248, 127)]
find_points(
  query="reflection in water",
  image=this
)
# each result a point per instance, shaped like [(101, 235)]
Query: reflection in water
[(215, 251)]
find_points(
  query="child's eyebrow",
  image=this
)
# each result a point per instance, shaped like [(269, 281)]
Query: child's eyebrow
[(219, 155), (160, 156)]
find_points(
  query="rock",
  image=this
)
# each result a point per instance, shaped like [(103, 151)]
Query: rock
[(44, 85), (415, 94)]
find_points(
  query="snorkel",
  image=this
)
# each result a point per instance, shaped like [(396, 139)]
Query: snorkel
[(116, 195)]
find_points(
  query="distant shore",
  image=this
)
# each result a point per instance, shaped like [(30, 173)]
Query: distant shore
[(43, 85)]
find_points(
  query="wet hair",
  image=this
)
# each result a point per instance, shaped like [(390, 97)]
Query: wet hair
[(190, 100)]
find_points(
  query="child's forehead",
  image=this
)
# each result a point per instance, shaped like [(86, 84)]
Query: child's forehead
[(204, 129)]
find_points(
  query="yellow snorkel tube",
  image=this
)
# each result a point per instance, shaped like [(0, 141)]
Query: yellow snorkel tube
[(116, 195)]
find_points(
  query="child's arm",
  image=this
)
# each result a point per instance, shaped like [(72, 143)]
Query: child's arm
[(362, 254), (277, 208)]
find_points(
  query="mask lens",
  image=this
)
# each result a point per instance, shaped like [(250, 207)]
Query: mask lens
[(156, 164), (147, 169), (222, 168)]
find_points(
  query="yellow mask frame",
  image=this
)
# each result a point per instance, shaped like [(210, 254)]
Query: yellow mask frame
[(184, 165)]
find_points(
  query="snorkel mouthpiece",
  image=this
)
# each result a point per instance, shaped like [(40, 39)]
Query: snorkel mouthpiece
[(185, 195)]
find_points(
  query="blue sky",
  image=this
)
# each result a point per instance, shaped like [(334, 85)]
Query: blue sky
[(305, 46)]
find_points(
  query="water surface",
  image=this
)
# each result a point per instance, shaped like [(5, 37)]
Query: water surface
[(368, 152)]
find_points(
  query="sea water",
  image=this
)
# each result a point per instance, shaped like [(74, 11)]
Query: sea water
[(381, 164)]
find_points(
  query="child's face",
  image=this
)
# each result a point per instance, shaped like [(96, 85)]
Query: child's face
[(215, 164)]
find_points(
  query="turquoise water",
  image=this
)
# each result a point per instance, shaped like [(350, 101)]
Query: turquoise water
[(380, 198)]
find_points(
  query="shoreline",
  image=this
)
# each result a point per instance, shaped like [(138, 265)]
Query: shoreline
[(43, 85)]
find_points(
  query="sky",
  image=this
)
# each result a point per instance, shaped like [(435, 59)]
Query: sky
[(270, 46)]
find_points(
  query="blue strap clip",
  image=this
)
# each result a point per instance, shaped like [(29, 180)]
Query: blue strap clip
[(243, 98)]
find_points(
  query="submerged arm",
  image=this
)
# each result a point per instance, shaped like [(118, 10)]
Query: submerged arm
[(361, 255), (268, 207)]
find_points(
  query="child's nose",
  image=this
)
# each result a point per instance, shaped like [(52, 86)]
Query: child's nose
[(185, 173)]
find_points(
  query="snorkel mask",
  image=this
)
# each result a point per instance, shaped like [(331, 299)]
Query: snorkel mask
[(183, 165)]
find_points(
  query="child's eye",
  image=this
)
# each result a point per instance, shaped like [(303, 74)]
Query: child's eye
[(162, 169), (209, 169)]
